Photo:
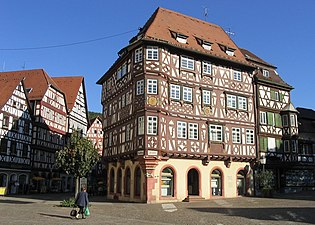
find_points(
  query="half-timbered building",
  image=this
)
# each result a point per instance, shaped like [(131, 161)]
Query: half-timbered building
[(49, 126), (95, 134), (178, 109), (276, 122), (15, 136)]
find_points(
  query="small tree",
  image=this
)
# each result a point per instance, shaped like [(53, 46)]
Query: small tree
[(265, 178), (78, 157)]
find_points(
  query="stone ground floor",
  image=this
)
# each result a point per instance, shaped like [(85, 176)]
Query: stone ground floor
[(294, 209), (176, 180)]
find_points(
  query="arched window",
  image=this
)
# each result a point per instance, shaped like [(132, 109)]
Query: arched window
[(111, 181), (216, 183), (241, 183), (137, 181), (119, 177), (127, 181), (3, 180), (167, 183)]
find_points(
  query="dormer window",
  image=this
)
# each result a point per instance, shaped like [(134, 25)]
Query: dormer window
[(265, 73), (229, 51), (206, 45), (181, 38)]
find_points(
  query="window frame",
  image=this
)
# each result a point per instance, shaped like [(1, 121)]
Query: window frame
[(250, 136), (237, 75), (187, 94), (230, 99), (193, 131), (152, 125), (152, 86), (236, 135), (263, 119), (175, 91), (266, 73), (187, 62), (140, 87), (206, 95), (138, 55), (140, 125), (152, 53), (181, 130), (206, 67), (217, 129), (242, 101)]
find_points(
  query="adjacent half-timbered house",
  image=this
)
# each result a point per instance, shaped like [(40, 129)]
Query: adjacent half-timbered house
[(15, 136), (95, 134), (74, 89), (276, 122), (49, 108), (178, 109)]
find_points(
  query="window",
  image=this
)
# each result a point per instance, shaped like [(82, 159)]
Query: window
[(140, 125), (231, 101), (152, 53), (181, 38), (278, 121), (138, 55), (124, 69), (274, 95), (118, 75), (4, 145), (292, 120), (5, 122), (236, 135), (229, 52), (167, 183), (285, 120), (187, 62), (140, 87), (242, 103), (263, 117), (119, 178), (216, 133), (15, 125), (249, 136), (187, 94), (13, 148), (181, 129), (152, 125), (206, 45), (25, 150), (237, 75), (286, 146), (175, 91), (265, 73), (263, 144), (193, 131), (26, 127), (206, 68), (111, 181), (152, 86), (206, 97), (271, 118), (294, 145)]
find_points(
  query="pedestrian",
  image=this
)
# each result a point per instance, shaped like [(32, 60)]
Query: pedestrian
[(82, 201)]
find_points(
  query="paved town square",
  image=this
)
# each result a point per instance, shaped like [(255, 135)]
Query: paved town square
[(295, 209)]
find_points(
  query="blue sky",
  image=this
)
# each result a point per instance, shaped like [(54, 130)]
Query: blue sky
[(280, 32)]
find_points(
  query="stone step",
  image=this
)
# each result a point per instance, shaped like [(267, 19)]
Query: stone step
[(193, 198)]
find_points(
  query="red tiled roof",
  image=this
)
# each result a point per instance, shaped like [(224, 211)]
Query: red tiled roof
[(163, 22), (7, 88), (273, 78), (70, 86), (36, 79)]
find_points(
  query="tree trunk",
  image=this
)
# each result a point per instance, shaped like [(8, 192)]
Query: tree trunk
[(77, 186)]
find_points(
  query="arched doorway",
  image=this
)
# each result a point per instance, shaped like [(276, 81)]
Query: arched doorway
[(193, 182), (241, 183), (167, 183), (137, 180)]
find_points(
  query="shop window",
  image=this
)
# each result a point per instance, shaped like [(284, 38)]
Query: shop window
[(127, 182), (137, 181), (167, 183), (216, 183), (3, 180)]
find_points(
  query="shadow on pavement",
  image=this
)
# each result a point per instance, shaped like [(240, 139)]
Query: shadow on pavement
[(284, 215), (303, 195), (57, 216), (13, 202)]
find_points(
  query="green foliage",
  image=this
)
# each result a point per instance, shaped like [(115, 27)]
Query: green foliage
[(265, 179), (78, 156), (70, 202), (93, 115)]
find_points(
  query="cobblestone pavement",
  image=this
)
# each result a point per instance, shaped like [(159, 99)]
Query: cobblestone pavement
[(296, 209)]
